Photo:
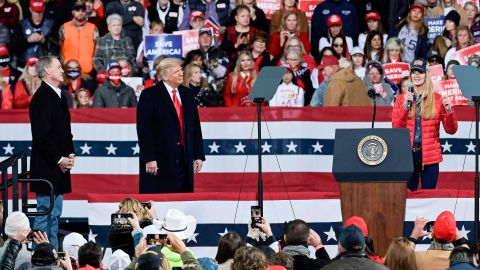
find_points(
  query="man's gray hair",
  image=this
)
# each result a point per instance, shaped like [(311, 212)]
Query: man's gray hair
[(114, 17), (166, 64), (43, 63)]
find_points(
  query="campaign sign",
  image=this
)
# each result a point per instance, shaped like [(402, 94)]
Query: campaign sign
[(308, 6), (435, 26), (396, 71), (436, 73), (168, 45), (476, 32), (451, 90), (463, 54), (189, 40), (269, 6)]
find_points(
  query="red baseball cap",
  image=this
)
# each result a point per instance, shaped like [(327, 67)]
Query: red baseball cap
[(359, 222), (445, 226), (197, 14), (31, 61), (372, 15), (418, 5), (328, 60), (334, 19), (4, 51), (37, 5), (276, 267)]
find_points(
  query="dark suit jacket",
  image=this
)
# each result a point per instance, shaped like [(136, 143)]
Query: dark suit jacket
[(158, 130), (51, 140)]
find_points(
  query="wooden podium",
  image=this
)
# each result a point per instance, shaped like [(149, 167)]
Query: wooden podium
[(376, 192)]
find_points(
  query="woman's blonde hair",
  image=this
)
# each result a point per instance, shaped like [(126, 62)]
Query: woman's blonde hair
[(420, 26), (427, 104), (283, 26), (237, 70), (32, 83), (287, 47), (76, 102), (249, 258), (187, 75), (393, 43), (401, 255), (466, 29), (133, 205)]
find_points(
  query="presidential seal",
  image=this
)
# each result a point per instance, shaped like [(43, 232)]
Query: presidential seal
[(372, 150)]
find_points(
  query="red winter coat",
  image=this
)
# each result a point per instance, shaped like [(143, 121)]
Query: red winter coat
[(431, 151), (277, 51)]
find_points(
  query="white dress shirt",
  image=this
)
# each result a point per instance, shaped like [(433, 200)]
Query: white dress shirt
[(170, 92), (56, 89)]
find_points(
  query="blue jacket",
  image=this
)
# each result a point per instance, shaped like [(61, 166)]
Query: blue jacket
[(319, 20), (462, 266)]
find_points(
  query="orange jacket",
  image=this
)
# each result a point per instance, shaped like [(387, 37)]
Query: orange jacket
[(79, 44), (431, 151)]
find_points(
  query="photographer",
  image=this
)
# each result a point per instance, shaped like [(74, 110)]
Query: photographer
[(120, 235), (45, 256), (16, 223), (260, 234), (445, 237)]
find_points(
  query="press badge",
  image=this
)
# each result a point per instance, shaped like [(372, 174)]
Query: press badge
[(173, 14)]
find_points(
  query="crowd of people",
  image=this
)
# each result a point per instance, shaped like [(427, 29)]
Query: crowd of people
[(141, 240), (101, 43)]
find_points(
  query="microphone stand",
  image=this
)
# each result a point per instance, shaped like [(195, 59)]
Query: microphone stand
[(373, 95)]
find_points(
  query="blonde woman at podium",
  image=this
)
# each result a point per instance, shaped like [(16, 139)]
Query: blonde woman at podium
[(421, 110)]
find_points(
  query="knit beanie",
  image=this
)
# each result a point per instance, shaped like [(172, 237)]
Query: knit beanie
[(15, 222)]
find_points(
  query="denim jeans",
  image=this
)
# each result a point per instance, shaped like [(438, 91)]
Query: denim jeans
[(49, 223), (428, 174)]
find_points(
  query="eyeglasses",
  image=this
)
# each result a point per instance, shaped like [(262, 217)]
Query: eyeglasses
[(337, 45)]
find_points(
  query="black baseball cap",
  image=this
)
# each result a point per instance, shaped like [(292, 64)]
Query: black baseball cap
[(420, 65)]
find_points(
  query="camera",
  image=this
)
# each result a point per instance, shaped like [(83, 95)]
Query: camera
[(120, 221), (429, 226), (31, 234), (157, 239), (147, 205), (61, 255), (256, 214)]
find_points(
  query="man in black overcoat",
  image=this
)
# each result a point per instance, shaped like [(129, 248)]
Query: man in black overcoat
[(169, 133), (52, 145)]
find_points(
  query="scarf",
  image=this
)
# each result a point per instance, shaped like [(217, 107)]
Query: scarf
[(297, 250)]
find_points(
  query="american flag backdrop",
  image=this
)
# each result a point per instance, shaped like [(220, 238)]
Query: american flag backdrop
[(297, 146)]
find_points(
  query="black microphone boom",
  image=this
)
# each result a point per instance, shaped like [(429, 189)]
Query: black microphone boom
[(371, 93)]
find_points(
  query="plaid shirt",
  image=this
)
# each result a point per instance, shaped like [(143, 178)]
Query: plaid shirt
[(108, 49)]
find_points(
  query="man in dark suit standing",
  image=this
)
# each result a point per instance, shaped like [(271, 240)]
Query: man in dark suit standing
[(52, 146), (169, 133)]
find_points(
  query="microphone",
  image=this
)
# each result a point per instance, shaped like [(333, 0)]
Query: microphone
[(371, 93), (410, 103)]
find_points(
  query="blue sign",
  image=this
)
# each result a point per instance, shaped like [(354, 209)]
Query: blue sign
[(167, 45), (435, 26)]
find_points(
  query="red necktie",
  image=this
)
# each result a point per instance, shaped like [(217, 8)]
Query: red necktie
[(178, 109)]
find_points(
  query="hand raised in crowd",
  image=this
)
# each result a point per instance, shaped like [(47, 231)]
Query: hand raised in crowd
[(265, 227), (21, 235), (284, 35), (177, 245), (152, 211), (447, 104), (141, 247), (241, 39), (314, 239), (151, 167), (66, 263), (134, 220), (40, 237), (418, 231)]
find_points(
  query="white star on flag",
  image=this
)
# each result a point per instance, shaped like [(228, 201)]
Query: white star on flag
[(8, 149), (240, 147), (291, 147), (464, 232), (91, 236), (317, 147), (331, 234), (225, 232), (471, 147), (111, 149), (193, 238), (446, 147), (266, 147), (214, 147), (85, 149), (136, 149)]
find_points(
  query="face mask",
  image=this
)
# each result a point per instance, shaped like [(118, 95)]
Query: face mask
[(126, 71), (4, 61), (115, 79), (73, 73)]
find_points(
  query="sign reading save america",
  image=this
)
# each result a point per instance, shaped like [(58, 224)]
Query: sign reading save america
[(308, 6), (396, 71), (269, 6), (168, 45), (463, 54)]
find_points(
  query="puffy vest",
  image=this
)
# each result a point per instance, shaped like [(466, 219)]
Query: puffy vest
[(171, 19), (79, 44), (36, 49)]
